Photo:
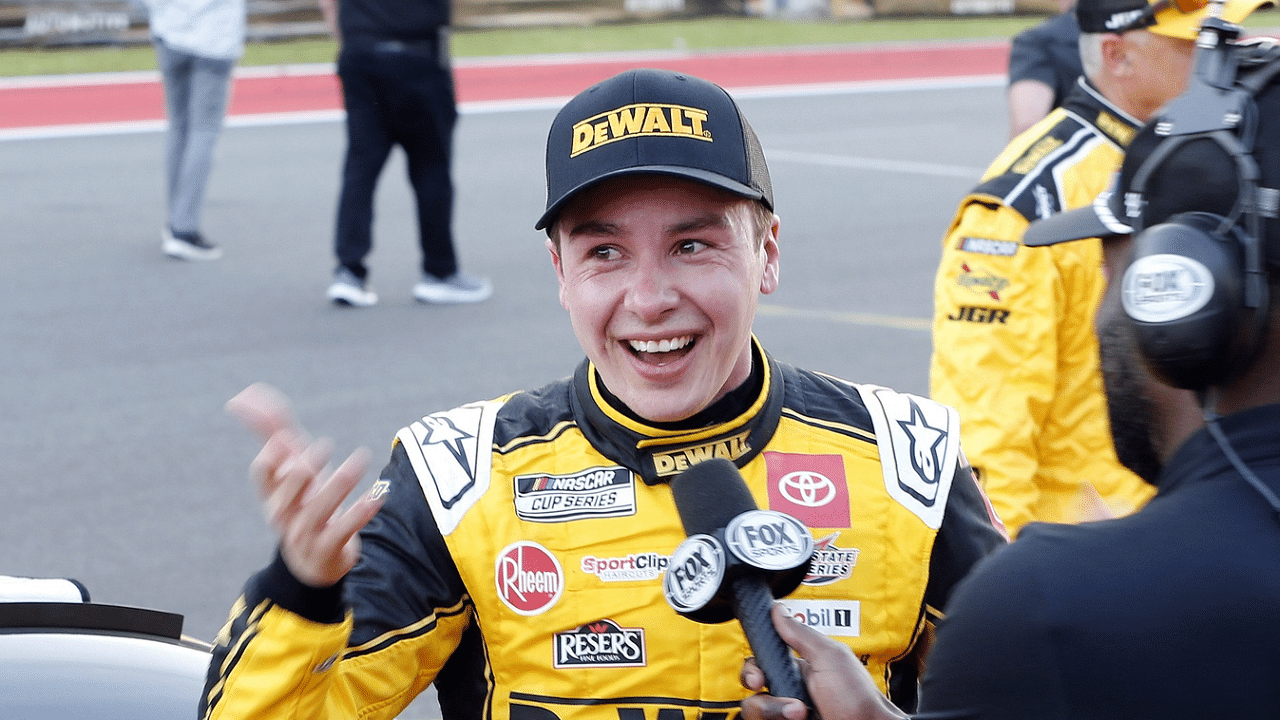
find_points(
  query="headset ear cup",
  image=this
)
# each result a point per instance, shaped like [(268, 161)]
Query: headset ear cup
[(1184, 293)]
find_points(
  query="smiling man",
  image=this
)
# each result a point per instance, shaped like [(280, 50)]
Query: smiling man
[(512, 550)]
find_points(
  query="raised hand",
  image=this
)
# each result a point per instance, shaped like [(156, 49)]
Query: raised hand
[(301, 498)]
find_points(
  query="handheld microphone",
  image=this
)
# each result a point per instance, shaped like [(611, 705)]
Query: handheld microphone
[(736, 560)]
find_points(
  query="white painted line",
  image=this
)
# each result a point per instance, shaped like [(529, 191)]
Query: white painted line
[(848, 318), (546, 103), (862, 163)]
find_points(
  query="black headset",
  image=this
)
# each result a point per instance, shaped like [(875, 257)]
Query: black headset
[(1196, 289)]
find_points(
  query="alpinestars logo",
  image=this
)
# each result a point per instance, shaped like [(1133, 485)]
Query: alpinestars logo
[(599, 644), (925, 440)]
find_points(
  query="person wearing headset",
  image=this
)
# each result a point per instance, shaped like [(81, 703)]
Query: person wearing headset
[(1163, 613), (1014, 345)]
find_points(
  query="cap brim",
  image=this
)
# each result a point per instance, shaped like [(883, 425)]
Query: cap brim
[(1173, 23), (1096, 220), (703, 176)]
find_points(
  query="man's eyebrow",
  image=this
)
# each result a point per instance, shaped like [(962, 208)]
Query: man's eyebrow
[(594, 228), (602, 228), (710, 220)]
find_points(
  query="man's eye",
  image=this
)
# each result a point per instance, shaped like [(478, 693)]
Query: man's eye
[(688, 247), (604, 252)]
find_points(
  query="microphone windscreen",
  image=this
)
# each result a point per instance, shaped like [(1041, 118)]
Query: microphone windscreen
[(710, 494)]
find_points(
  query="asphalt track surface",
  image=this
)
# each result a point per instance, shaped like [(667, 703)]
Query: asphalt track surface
[(118, 466)]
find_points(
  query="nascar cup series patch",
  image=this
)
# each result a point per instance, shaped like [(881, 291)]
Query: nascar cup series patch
[(598, 492)]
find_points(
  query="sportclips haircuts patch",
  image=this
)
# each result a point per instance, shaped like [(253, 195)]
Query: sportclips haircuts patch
[(601, 492), (599, 644), (639, 120)]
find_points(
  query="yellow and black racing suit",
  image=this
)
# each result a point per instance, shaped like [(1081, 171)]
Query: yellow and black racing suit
[(1014, 345), (517, 560)]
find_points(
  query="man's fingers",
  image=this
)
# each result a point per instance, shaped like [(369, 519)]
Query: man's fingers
[(806, 641), (751, 676), (326, 496), (768, 707), (302, 501), (262, 408), (294, 482), (349, 525), (321, 543), (342, 527)]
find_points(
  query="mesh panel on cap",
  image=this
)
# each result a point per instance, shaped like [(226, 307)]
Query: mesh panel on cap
[(757, 168)]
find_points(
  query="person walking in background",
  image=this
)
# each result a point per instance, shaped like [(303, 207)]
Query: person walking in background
[(397, 87), (1014, 346), (1044, 63), (197, 44)]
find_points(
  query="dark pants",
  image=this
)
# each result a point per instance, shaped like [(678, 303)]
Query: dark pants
[(397, 95)]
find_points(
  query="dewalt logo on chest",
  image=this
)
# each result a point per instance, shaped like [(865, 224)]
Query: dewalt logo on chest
[(677, 461), (642, 119)]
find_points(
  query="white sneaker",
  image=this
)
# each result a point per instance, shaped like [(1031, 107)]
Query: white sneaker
[(194, 247), (347, 289), (457, 288)]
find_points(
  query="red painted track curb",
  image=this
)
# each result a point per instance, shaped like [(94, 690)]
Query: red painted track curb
[(139, 97)]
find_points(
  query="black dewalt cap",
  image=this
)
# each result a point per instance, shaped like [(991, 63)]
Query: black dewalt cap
[(657, 122)]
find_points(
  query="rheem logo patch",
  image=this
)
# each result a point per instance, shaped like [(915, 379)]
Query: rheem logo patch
[(528, 578)]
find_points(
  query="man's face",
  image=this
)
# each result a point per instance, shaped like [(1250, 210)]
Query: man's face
[(1161, 68), (1149, 419), (661, 278), (1127, 401)]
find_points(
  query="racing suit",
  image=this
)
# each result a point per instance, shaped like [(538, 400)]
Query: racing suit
[(517, 559), (1014, 345)]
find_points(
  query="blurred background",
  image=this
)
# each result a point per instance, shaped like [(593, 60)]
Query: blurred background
[(49, 23)]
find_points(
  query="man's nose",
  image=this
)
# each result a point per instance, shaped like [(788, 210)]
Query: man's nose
[(651, 292)]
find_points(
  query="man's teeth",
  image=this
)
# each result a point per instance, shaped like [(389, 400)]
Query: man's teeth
[(660, 346)]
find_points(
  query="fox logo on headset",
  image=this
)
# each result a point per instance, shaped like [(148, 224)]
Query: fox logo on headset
[(1198, 193)]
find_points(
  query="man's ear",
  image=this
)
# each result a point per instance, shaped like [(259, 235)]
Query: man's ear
[(1115, 55), (769, 278), (555, 261)]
